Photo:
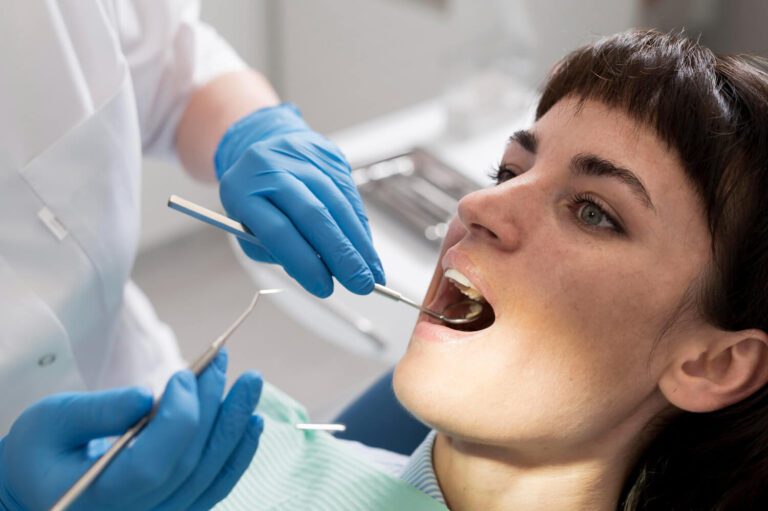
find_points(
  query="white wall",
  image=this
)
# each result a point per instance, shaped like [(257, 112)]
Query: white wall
[(563, 25), (726, 26), (344, 61)]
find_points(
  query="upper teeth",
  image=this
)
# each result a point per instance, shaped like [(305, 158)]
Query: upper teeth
[(463, 283)]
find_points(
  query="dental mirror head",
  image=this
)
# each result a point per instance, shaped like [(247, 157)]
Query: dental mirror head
[(463, 312)]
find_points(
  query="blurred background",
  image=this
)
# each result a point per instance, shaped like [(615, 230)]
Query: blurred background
[(421, 92)]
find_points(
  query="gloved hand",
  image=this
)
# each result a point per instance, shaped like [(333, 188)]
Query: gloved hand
[(293, 189), (189, 456)]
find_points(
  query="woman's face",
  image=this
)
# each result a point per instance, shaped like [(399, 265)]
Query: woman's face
[(581, 291)]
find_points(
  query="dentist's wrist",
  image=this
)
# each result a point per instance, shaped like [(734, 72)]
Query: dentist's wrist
[(255, 127)]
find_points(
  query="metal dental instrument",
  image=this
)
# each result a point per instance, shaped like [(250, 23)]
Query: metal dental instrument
[(474, 308), (212, 218), (197, 367), (321, 427)]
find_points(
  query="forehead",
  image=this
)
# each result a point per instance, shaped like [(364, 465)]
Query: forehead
[(573, 126)]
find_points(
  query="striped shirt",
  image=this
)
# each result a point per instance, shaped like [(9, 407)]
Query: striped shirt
[(420, 473), (416, 470)]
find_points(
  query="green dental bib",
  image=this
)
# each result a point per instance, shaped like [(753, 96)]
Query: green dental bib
[(311, 470)]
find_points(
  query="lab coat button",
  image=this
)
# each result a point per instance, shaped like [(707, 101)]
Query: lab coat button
[(52, 223), (46, 360)]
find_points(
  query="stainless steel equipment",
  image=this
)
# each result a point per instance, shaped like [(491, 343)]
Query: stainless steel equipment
[(416, 188)]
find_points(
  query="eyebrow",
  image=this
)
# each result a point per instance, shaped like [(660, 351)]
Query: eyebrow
[(527, 139), (588, 164)]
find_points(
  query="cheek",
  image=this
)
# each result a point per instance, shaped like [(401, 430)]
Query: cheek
[(591, 316), (593, 294)]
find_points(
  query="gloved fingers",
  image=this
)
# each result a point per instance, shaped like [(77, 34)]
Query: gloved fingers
[(337, 168), (45, 451), (346, 208), (232, 198), (320, 147), (210, 387), (328, 175), (231, 425), (350, 191), (149, 462), (235, 467), (72, 420), (256, 252), (286, 245), (314, 221)]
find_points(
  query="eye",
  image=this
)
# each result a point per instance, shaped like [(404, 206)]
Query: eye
[(589, 209), (590, 212), (501, 173)]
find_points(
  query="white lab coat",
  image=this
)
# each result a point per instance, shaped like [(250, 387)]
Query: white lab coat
[(86, 87)]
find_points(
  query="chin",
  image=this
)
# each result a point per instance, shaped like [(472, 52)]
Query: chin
[(439, 385)]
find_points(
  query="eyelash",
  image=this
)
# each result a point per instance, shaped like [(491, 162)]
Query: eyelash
[(500, 174)]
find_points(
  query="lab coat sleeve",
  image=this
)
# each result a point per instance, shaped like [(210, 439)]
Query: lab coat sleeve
[(170, 53)]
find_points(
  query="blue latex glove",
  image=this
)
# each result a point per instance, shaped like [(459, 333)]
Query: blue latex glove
[(188, 457), (293, 189)]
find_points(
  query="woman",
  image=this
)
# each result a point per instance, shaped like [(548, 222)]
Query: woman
[(624, 255)]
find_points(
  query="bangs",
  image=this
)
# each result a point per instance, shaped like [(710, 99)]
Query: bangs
[(664, 81)]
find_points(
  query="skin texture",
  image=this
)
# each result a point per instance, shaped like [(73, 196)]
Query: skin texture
[(212, 109), (547, 407)]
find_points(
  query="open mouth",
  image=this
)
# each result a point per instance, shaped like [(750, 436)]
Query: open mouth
[(458, 298)]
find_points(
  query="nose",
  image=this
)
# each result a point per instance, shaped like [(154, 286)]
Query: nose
[(485, 216)]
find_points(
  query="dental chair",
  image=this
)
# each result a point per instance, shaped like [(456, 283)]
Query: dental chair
[(377, 419)]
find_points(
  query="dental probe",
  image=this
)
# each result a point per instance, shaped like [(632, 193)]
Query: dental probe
[(212, 218), (474, 313), (241, 231), (197, 367), (336, 428)]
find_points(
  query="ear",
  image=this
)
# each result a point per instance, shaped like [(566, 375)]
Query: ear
[(703, 377)]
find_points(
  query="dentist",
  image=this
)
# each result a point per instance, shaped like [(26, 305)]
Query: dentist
[(88, 88)]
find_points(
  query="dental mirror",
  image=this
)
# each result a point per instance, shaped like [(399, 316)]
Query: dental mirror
[(466, 311), (461, 313)]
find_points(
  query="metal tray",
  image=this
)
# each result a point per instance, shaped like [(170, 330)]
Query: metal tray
[(417, 188)]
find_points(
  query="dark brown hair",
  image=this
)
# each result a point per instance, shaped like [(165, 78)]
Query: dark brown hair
[(713, 112)]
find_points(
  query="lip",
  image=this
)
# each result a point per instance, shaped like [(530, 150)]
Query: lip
[(431, 329), (455, 258), (428, 329)]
